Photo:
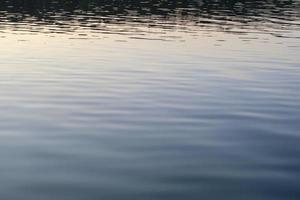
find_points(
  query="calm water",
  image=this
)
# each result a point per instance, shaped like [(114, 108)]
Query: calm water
[(151, 100)]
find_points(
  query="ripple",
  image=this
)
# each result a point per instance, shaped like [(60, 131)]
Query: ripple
[(137, 19), (149, 100)]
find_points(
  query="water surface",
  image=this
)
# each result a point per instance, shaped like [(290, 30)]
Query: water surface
[(149, 100)]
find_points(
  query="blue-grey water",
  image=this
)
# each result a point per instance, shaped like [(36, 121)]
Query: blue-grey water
[(151, 100)]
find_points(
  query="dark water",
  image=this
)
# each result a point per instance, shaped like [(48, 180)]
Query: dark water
[(149, 100)]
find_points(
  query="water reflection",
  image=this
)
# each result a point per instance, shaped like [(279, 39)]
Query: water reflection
[(151, 19), (84, 117)]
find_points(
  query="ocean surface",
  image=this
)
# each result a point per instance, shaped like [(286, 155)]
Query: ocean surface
[(150, 100)]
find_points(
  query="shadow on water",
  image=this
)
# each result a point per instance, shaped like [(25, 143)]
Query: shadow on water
[(143, 18)]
